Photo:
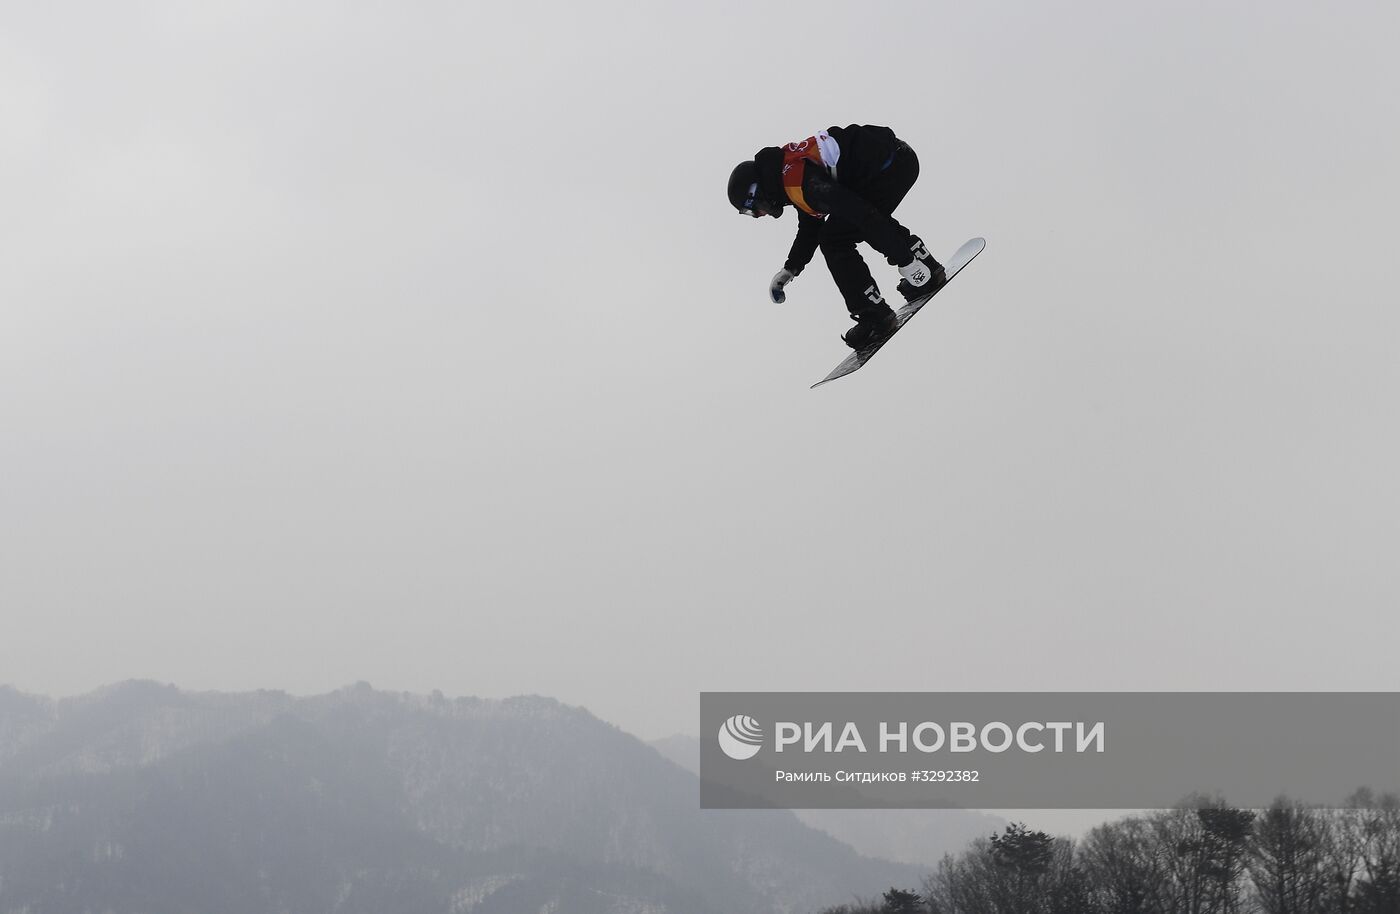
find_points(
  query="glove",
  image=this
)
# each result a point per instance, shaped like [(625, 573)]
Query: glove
[(775, 288)]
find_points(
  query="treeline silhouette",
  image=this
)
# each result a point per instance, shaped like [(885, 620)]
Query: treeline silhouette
[(1203, 857)]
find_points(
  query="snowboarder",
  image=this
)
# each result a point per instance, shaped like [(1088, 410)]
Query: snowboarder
[(845, 183)]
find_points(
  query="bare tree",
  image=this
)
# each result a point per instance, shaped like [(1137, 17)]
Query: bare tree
[(1287, 863), (964, 884), (1124, 864), (1204, 845), (1019, 871), (1379, 890)]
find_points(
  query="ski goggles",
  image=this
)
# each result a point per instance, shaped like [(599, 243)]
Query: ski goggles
[(753, 206)]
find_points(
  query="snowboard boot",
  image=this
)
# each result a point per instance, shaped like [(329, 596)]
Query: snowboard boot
[(937, 276), (872, 325)]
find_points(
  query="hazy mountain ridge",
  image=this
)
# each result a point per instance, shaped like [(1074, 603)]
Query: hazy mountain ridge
[(143, 797), (128, 725)]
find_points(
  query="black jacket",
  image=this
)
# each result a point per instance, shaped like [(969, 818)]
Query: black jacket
[(866, 151)]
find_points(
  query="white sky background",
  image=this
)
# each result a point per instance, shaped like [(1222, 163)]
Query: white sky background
[(416, 343)]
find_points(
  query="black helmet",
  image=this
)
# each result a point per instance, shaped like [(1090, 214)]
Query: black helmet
[(745, 196)]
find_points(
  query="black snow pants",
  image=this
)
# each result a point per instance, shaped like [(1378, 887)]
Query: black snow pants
[(839, 238)]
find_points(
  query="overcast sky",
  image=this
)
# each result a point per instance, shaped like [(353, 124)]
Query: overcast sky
[(416, 343)]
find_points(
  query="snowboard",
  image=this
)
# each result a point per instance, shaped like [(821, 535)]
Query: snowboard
[(953, 267)]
